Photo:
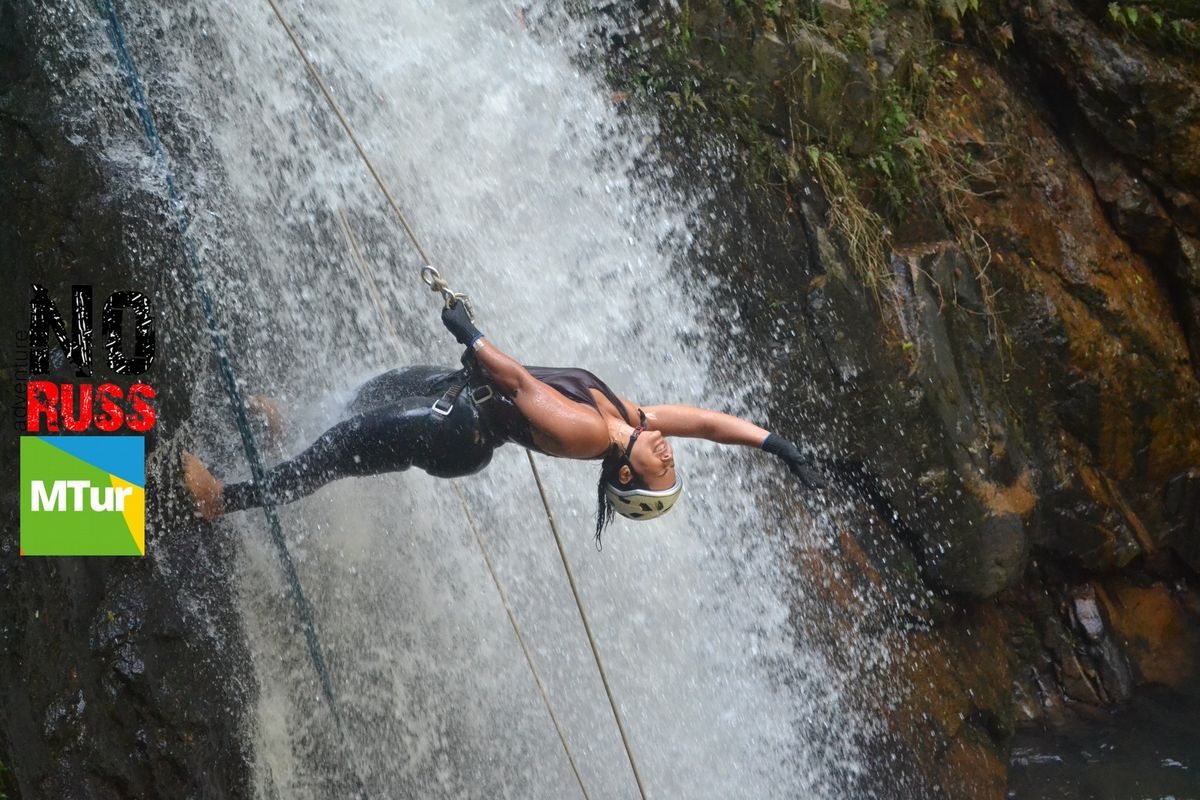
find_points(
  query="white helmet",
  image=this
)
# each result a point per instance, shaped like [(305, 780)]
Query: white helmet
[(643, 503)]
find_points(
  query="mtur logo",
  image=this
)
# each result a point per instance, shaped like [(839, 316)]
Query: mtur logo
[(83, 496)]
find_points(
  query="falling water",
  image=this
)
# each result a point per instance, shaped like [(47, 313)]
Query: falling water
[(520, 175)]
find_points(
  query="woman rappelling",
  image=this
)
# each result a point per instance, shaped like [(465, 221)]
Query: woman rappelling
[(448, 423)]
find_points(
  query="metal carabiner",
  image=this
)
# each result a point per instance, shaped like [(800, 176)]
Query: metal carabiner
[(433, 279), (431, 276), (436, 283)]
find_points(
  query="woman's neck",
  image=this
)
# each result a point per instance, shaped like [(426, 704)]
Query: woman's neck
[(619, 432)]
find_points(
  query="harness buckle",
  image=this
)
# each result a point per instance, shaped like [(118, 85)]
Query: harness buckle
[(482, 394), (442, 406)]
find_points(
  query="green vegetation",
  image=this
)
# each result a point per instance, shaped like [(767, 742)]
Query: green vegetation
[(1162, 26), (799, 84)]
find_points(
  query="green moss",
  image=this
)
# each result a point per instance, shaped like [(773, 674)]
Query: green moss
[(796, 84)]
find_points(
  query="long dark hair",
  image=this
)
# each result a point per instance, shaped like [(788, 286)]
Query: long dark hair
[(610, 470), (610, 474)]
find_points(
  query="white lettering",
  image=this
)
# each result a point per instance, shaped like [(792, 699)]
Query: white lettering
[(107, 504), (44, 502), (101, 498), (80, 487)]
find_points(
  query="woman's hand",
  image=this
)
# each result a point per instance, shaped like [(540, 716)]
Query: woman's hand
[(458, 322), (796, 462)]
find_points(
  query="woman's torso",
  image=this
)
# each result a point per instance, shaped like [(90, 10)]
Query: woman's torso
[(577, 385), (498, 414)]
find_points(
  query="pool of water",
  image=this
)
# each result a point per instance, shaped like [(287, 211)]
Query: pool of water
[(1150, 748)]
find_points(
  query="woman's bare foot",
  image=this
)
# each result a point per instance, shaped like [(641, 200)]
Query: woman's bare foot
[(206, 490), (268, 411)]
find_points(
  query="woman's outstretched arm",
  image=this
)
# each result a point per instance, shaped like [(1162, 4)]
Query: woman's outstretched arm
[(701, 423), (510, 375), (716, 426), (560, 427)]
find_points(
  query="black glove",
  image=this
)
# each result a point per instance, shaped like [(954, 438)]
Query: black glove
[(799, 466), (458, 322)]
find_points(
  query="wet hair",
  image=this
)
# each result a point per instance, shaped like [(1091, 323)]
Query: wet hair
[(610, 475), (610, 470)]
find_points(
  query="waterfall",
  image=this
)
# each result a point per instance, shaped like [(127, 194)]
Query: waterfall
[(553, 208)]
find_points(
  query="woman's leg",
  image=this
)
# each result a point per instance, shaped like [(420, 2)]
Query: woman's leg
[(386, 439), (399, 385)]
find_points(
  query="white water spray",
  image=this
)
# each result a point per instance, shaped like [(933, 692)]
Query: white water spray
[(518, 175)]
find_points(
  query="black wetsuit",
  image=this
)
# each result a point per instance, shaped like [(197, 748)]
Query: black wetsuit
[(394, 426)]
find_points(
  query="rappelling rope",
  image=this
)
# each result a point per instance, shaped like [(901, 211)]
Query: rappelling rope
[(116, 35), (562, 552), (377, 300), (316, 76), (432, 279)]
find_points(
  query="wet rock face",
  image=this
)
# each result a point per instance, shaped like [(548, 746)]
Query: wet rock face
[(1143, 111), (1043, 405), (1088, 645), (1145, 106), (1047, 404), (1066, 436), (1026, 425), (119, 677)]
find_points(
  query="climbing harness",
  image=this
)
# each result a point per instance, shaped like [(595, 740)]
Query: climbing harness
[(116, 35), (445, 404), (433, 279)]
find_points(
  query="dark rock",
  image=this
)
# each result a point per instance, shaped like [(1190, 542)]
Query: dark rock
[(1083, 529), (1034, 400), (1107, 661), (983, 497), (1185, 211), (1181, 511), (120, 677), (1115, 673), (1078, 410), (64, 718), (1185, 270), (1146, 108), (1154, 627), (1086, 615), (1070, 674), (1135, 212)]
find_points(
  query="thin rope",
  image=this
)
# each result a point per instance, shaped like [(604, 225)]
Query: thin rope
[(377, 301), (116, 35), (487, 559), (333, 105), (562, 552)]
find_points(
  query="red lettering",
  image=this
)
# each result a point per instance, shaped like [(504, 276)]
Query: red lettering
[(110, 416), (41, 397), (98, 406), (143, 417), (67, 400)]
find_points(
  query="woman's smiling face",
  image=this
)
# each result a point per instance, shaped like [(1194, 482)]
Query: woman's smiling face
[(653, 460)]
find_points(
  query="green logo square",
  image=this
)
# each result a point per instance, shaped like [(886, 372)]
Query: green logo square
[(83, 496)]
